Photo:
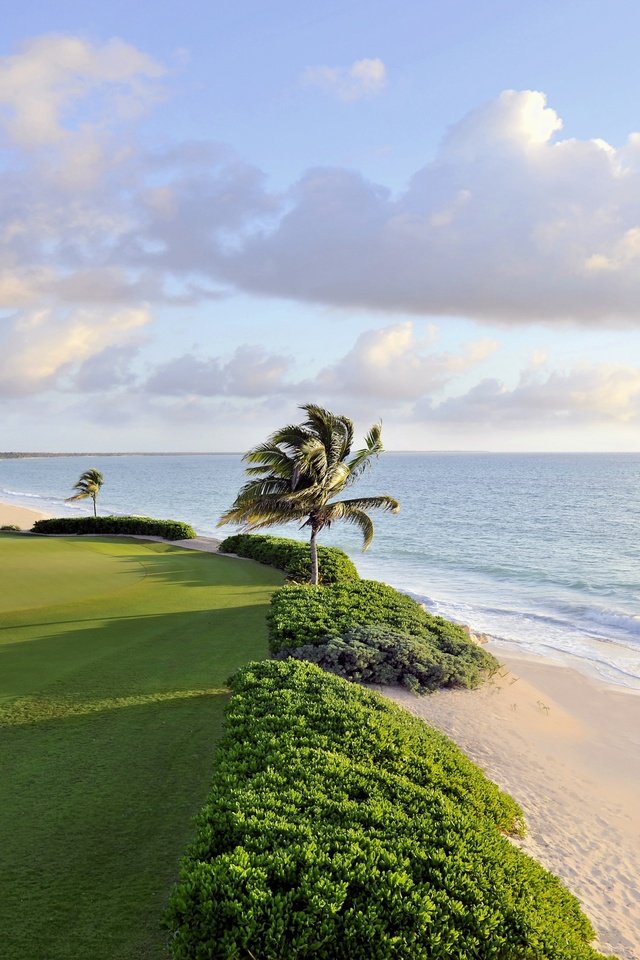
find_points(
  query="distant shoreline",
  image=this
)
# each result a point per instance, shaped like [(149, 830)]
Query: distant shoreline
[(13, 455), (33, 455)]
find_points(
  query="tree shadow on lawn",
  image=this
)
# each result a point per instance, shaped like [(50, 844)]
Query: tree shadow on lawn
[(97, 811), (147, 657), (188, 567)]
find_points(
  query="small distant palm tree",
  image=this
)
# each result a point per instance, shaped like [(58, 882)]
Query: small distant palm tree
[(88, 486), (299, 471)]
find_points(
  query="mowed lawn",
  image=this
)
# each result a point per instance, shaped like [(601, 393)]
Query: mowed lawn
[(113, 661)]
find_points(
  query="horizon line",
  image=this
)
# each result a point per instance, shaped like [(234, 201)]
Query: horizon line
[(16, 454)]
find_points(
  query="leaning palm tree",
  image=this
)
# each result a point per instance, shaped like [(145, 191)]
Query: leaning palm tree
[(88, 486), (300, 470)]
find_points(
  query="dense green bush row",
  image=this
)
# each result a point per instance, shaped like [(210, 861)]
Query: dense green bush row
[(377, 655), (434, 652), (341, 828), (292, 556), (142, 526)]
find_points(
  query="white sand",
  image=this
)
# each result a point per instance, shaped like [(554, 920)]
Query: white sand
[(20, 516), (568, 749)]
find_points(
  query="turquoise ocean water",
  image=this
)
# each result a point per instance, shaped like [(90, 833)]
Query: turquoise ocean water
[(540, 551)]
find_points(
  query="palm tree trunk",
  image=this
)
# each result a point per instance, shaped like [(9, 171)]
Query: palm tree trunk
[(94, 505), (314, 556)]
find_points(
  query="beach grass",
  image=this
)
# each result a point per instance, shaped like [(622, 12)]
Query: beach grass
[(114, 658)]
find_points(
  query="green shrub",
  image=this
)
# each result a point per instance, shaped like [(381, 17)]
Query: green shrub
[(377, 655), (303, 616), (140, 526), (339, 827), (292, 556), (10, 528)]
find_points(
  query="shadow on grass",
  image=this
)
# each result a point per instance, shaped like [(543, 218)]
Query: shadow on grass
[(146, 656), (97, 811), (109, 724), (169, 564)]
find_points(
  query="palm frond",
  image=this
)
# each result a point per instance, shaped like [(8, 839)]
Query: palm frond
[(364, 523), (268, 456), (382, 502), (263, 487), (265, 511), (291, 437), (362, 459), (338, 480)]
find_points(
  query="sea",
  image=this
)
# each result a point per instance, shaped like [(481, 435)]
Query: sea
[(541, 552)]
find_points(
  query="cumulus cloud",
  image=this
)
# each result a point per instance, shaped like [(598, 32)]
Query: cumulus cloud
[(508, 224), (364, 78), (39, 348), (42, 84), (394, 364), (250, 372), (588, 394)]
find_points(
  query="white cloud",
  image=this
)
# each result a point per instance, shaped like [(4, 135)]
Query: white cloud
[(41, 85), (364, 78), (393, 364), (250, 372), (586, 395), (508, 224), (39, 348), (517, 119)]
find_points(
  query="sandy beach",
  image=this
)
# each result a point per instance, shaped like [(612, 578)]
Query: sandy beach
[(568, 749), (20, 516)]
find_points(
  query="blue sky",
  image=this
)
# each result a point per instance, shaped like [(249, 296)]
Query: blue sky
[(425, 213)]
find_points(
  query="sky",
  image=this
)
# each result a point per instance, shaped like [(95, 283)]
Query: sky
[(421, 213)]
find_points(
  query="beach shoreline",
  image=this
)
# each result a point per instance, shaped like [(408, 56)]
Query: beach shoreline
[(22, 517), (567, 748)]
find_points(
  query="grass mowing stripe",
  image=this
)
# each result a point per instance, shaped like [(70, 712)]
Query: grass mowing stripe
[(111, 705), (38, 709)]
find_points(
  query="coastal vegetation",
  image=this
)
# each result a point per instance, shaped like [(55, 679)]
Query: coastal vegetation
[(88, 485), (133, 526), (115, 657), (338, 826), (368, 631), (297, 473), (292, 556)]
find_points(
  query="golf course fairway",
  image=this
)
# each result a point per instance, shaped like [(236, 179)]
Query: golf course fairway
[(114, 655)]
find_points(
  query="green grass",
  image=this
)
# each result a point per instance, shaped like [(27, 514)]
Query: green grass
[(113, 660)]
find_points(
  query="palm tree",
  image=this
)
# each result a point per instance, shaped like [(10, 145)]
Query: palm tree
[(300, 469), (88, 486)]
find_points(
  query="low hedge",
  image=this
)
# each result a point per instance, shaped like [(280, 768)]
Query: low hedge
[(141, 526), (339, 827), (303, 615), (377, 655), (292, 556)]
